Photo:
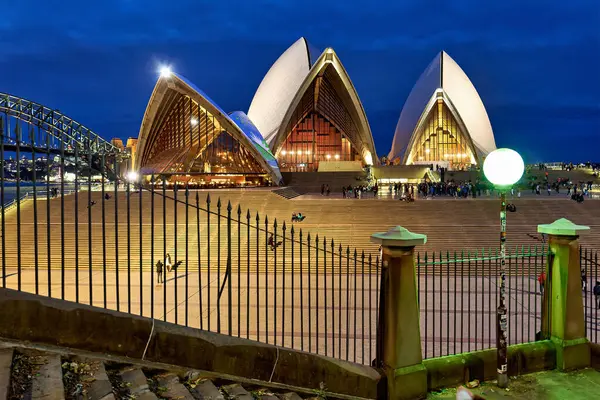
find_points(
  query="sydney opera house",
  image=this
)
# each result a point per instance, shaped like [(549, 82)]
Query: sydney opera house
[(306, 116)]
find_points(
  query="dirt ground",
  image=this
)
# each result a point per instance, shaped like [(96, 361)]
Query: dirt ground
[(547, 385)]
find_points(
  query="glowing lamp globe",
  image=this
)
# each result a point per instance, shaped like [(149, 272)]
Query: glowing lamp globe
[(132, 176), (503, 167)]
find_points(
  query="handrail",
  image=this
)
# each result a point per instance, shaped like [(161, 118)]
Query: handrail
[(11, 204), (14, 201)]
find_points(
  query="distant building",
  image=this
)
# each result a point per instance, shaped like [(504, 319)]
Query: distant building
[(443, 121), (118, 143)]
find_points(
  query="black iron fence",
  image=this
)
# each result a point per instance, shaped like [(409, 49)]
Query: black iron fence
[(176, 255), (590, 278), (167, 252), (458, 298)]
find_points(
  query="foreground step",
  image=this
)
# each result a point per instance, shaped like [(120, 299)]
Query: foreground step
[(47, 383), (290, 396), (237, 391), (6, 356), (137, 384), (99, 386), (206, 390), (171, 388)]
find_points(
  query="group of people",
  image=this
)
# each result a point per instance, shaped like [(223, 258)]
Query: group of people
[(451, 188), (358, 191), (168, 265)]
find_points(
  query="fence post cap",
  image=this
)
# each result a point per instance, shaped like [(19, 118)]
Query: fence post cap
[(398, 237), (561, 227)]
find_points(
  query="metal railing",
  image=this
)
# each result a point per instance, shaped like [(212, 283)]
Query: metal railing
[(104, 246), (299, 291), (590, 276), (13, 203), (458, 298)]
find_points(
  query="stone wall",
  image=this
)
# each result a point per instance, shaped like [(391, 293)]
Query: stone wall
[(28, 317)]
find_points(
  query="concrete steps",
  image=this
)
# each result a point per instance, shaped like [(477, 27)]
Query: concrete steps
[(288, 192), (451, 225), (48, 375)]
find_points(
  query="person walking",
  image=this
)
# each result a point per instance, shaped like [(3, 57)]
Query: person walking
[(542, 281), (159, 271), (597, 294), (322, 189), (168, 263)]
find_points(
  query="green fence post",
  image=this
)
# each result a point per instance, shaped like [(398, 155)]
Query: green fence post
[(565, 314), (401, 356)]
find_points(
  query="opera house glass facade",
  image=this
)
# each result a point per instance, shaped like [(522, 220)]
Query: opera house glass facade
[(186, 137), (440, 137), (317, 117)]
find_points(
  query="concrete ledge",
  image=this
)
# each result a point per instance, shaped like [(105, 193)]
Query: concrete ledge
[(43, 320), (407, 383), (572, 354), (595, 355), (457, 369)]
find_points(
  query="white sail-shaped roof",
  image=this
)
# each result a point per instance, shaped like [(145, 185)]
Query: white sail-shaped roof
[(444, 73), (279, 86)]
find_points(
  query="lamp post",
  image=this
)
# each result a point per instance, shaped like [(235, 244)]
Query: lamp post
[(503, 168)]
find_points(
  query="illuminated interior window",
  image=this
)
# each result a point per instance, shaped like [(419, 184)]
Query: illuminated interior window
[(189, 139), (321, 126), (440, 138)]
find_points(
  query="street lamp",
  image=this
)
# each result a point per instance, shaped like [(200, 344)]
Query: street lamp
[(503, 168), (165, 71)]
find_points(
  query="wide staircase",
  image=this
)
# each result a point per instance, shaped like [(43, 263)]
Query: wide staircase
[(288, 192), (34, 373), (125, 239)]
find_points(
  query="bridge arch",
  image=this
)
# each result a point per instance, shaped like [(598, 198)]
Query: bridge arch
[(58, 127)]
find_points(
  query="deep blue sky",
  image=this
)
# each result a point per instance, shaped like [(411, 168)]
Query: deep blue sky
[(535, 63)]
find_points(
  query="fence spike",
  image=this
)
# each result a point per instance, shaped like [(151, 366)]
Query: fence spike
[(197, 197), (219, 202), (208, 198), (228, 205), (239, 210), (275, 223), (257, 216), (284, 227), (291, 230), (248, 214)]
